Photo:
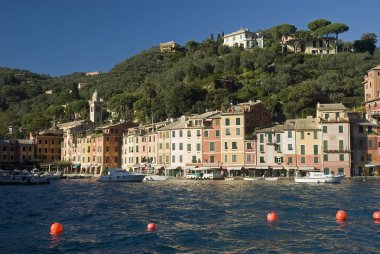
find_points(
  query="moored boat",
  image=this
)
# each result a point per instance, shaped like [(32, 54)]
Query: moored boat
[(155, 178), (120, 175), (319, 177)]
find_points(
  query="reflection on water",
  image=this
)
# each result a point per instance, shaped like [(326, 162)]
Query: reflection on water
[(191, 217)]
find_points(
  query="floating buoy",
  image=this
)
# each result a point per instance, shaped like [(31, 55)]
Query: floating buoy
[(272, 216), (376, 215), (151, 226), (341, 215), (56, 228)]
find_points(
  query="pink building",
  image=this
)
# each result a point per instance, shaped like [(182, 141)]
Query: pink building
[(211, 144)]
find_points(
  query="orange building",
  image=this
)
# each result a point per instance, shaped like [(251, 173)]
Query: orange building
[(48, 145)]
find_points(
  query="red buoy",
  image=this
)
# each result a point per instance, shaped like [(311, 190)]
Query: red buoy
[(376, 215), (151, 226), (272, 217), (56, 228), (341, 215)]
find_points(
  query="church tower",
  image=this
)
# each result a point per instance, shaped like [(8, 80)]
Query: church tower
[(96, 109)]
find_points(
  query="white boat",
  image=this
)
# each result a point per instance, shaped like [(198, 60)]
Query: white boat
[(120, 175), (155, 178), (213, 175), (271, 178), (250, 179), (319, 177)]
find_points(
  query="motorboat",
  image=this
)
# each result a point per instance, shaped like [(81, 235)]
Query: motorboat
[(250, 179), (213, 175), (155, 178), (272, 178), (51, 175), (120, 175), (23, 178), (319, 177)]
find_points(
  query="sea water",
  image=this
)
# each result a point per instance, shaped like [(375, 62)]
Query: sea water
[(191, 217)]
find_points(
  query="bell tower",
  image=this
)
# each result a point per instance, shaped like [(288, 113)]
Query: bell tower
[(96, 109)]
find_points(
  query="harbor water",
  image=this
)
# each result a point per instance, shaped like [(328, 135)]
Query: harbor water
[(191, 217)]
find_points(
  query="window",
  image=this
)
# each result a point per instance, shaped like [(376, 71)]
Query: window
[(249, 146), (261, 138), (173, 146), (290, 134), (341, 157), (315, 159), (217, 133), (325, 145), (227, 121), (194, 159), (217, 122), (225, 158), (173, 158), (198, 147), (278, 159), (249, 157), (315, 149), (341, 171), (326, 157), (188, 133), (212, 146), (225, 145), (340, 128), (302, 160), (188, 147), (290, 160), (261, 148), (237, 131), (212, 159), (302, 135), (205, 133), (238, 121), (315, 135), (269, 137), (228, 131), (166, 146), (290, 147), (181, 146), (341, 145), (198, 133), (233, 158), (262, 159), (326, 171), (303, 149), (180, 158), (180, 133), (234, 145), (327, 116)]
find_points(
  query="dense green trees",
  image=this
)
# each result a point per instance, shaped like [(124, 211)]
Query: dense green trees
[(200, 76)]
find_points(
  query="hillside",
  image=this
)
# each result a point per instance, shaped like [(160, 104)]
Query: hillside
[(201, 76)]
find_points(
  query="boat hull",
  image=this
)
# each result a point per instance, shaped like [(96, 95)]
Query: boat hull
[(155, 178), (333, 179), (128, 178)]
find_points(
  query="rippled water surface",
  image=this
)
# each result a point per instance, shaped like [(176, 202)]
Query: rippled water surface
[(191, 217)]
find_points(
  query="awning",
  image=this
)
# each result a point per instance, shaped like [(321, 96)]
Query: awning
[(291, 168), (234, 168), (371, 165), (76, 165), (278, 168), (306, 168), (261, 167)]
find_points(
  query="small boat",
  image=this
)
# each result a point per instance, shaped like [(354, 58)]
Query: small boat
[(120, 175), (319, 177), (213, 175), (24, 178), (250, 179), (270, 178), (155, 178)]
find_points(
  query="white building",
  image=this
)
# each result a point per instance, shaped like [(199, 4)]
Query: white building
[(244, 38)]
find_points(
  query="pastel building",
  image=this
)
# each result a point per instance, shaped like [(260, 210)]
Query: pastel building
[(371, 85), (211, 143), (335, 125), (289, 147), (48, 144), (244, 38), (308, 144), (311, 45)]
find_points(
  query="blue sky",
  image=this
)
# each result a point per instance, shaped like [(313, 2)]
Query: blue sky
[(59, 37)]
